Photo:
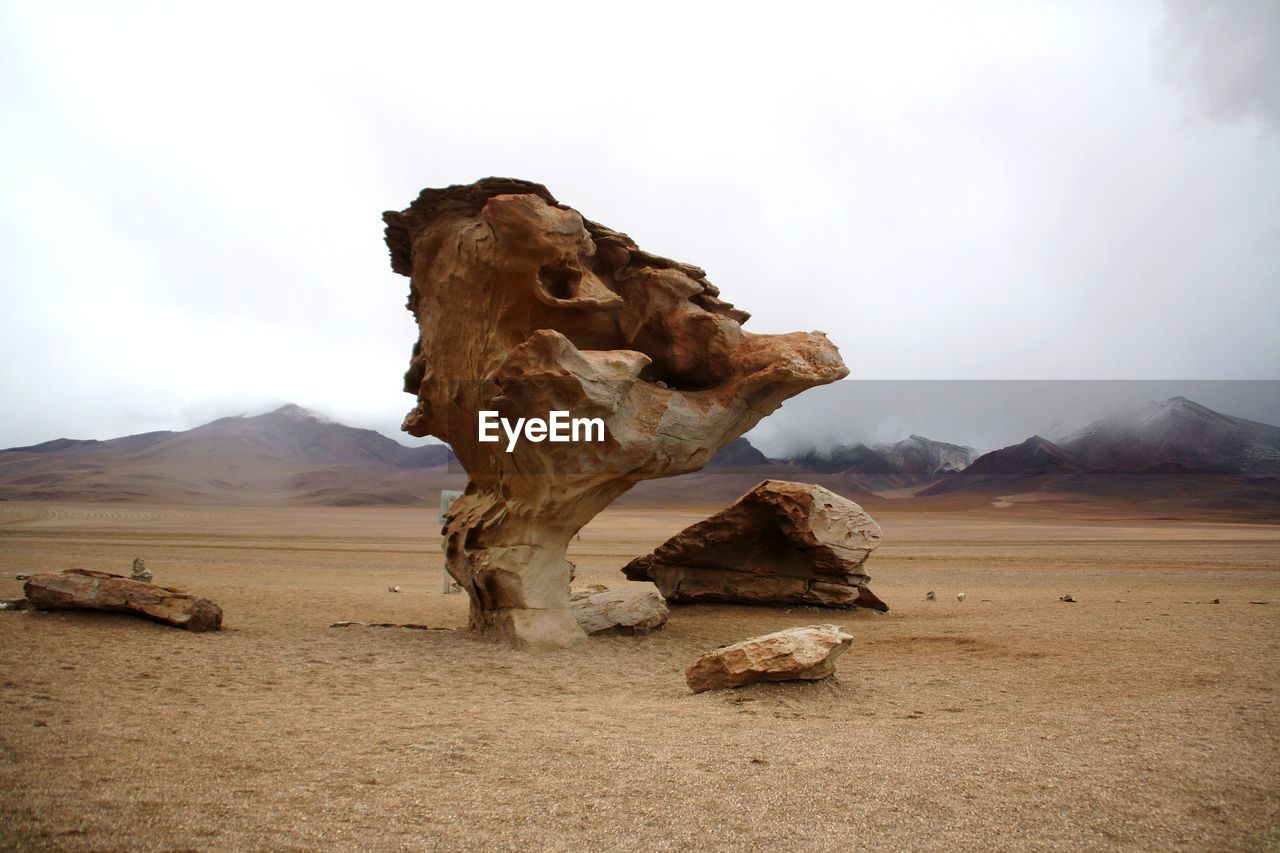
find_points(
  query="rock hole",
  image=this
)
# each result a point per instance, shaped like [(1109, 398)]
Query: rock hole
[(559, 280)]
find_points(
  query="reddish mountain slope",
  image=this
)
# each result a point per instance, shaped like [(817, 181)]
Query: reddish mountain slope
[(1019, 468), (289, 455)]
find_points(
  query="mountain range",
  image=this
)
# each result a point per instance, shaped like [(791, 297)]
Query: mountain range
[(290, 455), (1174, 456), (886, 467)]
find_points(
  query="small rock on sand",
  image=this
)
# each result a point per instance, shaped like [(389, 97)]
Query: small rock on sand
[(807, 654), (140, 572), (625, 610)]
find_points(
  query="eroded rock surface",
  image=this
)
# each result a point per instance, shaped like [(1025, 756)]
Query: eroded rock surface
[(524, 307), (796, 654), (623, 610), (82, 589), (781, 543)]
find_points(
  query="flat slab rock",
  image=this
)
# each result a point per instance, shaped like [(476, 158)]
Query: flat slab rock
[(82, 589), (781, 543), (622, 610), (796, 654)]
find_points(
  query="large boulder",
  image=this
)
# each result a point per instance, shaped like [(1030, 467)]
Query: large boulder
[(82, 589), (796, 654), (525, 308), (781, 543), (622, 610)]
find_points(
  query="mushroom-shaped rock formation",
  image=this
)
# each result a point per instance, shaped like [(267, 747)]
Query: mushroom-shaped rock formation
[(780, 543), (525, 308)]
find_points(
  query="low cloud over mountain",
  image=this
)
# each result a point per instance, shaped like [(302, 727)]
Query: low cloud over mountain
[(1176, 455)]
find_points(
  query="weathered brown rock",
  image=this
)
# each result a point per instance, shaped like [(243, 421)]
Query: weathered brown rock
[(781, 543), (524, 308), (81, 589), (796, 654), (622, 610)]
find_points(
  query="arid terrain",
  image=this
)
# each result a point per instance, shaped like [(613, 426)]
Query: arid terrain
[(1142, 716)]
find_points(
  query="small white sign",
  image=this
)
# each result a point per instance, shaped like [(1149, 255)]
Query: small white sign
[(447, 497)]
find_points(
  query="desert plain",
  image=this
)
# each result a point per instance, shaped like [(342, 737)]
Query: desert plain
[(1143, 716)]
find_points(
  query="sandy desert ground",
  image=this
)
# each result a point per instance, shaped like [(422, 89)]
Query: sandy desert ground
[(1141, 717)]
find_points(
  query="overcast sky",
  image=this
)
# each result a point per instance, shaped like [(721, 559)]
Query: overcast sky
[(191, 197)]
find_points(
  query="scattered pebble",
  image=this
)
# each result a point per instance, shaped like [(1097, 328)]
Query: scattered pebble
[(393, 589), (930, 596), (959, 596), (1069, 598), (1216, 601)]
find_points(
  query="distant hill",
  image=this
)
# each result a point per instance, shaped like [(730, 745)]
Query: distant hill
[(288, 455), (1021, 466), (1178, 432), (737, 454), (913, 462), (1174, 456), (736, 469), (296, 456), (853, 458), (919, 455)]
